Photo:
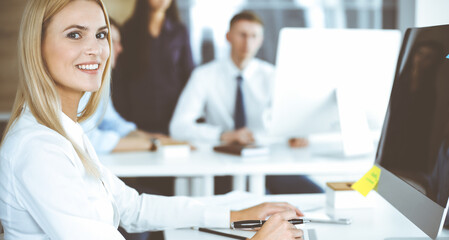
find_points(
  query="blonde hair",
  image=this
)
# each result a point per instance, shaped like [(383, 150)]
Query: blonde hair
[(37, 89)]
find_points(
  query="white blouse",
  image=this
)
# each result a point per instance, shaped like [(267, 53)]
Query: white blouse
[(45, 192)]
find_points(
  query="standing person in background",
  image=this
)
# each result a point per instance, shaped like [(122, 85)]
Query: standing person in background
[(109, 132), (154, 67), (150, 74), (232, 95)]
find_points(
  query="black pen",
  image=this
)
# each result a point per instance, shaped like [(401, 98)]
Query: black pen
[(251, 224), (207, 230)]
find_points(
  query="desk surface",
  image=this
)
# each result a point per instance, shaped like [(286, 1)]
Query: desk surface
[(204, 161), (381, 221)]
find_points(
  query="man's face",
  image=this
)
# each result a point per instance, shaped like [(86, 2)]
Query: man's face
[(116, 43), (246, 38)]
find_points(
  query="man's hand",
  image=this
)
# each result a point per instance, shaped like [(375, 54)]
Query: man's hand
[(145, 134), (241, 136), (298, 142)]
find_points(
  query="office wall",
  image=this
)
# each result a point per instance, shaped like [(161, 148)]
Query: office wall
[(431, 12), (406, 14), (10, 15), (120, 10)]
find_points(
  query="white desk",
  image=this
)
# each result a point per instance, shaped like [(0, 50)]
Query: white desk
[(380, 222), (203, 164)]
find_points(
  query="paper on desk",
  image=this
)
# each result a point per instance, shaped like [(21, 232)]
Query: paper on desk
[(250, 234), (236, 200), (368, 182)]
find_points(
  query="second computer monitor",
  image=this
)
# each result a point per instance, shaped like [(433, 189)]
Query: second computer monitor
[(324, 76)]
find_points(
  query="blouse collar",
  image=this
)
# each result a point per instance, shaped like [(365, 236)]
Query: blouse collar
[(72, 129)]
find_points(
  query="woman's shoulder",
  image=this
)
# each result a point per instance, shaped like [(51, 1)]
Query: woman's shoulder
[(27, 136), (33, 147)]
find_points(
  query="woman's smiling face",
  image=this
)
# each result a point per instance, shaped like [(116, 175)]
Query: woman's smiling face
[(75, 47)]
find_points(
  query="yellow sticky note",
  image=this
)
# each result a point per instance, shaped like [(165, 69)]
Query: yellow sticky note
[(368, 182)]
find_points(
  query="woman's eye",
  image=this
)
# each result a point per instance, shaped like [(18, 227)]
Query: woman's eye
[(74, 35), (102, 35)]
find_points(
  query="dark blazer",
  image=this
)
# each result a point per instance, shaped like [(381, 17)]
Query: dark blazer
[(151, 74)]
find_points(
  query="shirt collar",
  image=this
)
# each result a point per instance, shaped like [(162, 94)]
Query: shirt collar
[(168, 28), (72, 129), (168, 24), (246, 73)]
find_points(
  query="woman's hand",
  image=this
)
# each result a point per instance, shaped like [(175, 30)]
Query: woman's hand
[(277, 227), (264, 210)]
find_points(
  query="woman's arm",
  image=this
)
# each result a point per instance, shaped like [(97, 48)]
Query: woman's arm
[(277, 227), (264, 210), (50, 184), (130, 143)]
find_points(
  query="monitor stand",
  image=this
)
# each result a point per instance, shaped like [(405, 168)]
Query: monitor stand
[(353, 137), (355, 132)]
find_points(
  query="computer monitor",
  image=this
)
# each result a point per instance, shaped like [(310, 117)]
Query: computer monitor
[(413, 152), (333, 81)]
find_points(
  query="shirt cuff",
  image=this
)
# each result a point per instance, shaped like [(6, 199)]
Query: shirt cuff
[(107, 143), (125, 129), (217, 135), (218, 217)]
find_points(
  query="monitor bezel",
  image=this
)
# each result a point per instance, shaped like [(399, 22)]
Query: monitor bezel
[(422, 211)]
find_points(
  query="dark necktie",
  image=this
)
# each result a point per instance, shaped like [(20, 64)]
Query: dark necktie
[(239, 114)]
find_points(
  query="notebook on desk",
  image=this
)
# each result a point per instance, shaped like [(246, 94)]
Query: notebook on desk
[(309, 234), (243, 150)]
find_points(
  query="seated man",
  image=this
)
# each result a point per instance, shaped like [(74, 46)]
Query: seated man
[(232, 95)]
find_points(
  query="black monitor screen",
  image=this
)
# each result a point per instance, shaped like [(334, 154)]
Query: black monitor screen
[(415, 138)]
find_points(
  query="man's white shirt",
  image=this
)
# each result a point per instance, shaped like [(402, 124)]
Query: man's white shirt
[(211, 93)]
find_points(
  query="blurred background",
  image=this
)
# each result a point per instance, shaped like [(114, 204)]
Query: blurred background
[(207, 21)]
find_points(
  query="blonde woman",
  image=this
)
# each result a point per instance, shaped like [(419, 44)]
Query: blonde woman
[(52, 185)]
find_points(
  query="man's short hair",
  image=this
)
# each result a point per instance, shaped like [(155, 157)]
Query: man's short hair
[(245, 15)]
